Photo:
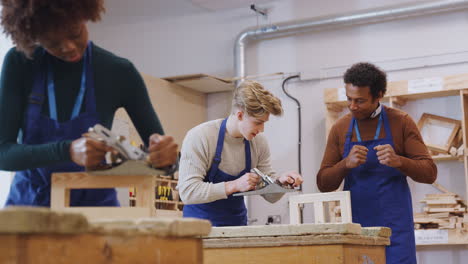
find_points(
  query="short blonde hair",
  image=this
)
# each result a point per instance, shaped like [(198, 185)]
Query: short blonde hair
[(253, 98)]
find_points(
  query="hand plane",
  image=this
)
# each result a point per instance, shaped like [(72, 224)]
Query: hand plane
[(269, 188), (130, 160)]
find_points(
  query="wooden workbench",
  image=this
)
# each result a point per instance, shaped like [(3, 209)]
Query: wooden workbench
[(41, 236), (295, 244)]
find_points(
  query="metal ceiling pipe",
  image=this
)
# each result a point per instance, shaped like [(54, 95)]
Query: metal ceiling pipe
[(370, 16)]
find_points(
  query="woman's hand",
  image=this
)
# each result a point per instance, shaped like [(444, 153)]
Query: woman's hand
[(162, 151), (88, 152)]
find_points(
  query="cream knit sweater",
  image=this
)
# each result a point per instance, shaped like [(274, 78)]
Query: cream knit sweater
[(198, 151)]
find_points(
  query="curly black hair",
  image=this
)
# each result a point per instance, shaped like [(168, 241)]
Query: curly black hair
[(365, 74), (25, 20)]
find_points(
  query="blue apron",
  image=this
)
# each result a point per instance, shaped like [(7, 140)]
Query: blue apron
[(225, 212), (32, 186), (380, 195)]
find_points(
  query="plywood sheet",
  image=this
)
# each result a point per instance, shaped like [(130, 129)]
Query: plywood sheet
[(178, 108), (202, 83)]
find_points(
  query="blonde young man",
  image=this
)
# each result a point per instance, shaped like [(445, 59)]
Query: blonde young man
[(217, 157)]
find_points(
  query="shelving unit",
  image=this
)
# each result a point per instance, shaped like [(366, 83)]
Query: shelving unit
[(398, 94), (166, 201)]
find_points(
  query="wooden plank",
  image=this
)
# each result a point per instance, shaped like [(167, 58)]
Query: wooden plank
[(83, 180), (319, 213), (59, 197), (165, 96), (314, 254), (202, 83), (284, 230), (95, 213), (97, 249), (464, 120), (146, 192), (315, 239)]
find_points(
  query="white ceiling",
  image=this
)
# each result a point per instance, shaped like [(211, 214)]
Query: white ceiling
[(166, 8), (226, 4)]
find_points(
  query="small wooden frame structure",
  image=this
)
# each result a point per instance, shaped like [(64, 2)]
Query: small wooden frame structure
[(438, 132), (62, 183), (41, 236), (317, 199), (293, 244)]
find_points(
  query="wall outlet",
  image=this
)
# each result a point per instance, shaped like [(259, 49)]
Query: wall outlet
[(273, 219)]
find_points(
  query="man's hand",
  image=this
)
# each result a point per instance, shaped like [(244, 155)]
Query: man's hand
[(291, 178), (162, 151), (245, 183), (356, 157), (88, 152), (387, 156)]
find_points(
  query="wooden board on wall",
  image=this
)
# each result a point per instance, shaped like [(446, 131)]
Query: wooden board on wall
[(178, 108)]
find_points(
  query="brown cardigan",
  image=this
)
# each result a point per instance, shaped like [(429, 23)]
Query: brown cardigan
[(408, 143)]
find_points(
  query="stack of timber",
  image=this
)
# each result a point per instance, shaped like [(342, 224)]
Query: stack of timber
[(442, 211)]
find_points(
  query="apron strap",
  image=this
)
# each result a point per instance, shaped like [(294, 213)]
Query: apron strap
[(219, 149), (36, 97), (349, 135), (81, 93), (90, 99), (377, 132), (248, 160), (388, 131)]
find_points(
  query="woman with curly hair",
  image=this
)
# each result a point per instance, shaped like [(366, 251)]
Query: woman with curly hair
[(217, 157), (55, 85)]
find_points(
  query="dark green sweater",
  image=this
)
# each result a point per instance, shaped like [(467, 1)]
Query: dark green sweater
[(117, 84)]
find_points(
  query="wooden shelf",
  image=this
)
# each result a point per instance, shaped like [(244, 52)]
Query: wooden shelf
[(167, 213), (166, 201), (446, 157), (165, 180), (203, 83), (451, 87), (454, 237)]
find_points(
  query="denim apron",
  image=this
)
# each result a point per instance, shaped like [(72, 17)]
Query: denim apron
[(380, 195), (225, 212), (32, 186)]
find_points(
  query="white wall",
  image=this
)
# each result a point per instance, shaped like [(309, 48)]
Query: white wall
[(204, 43)]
